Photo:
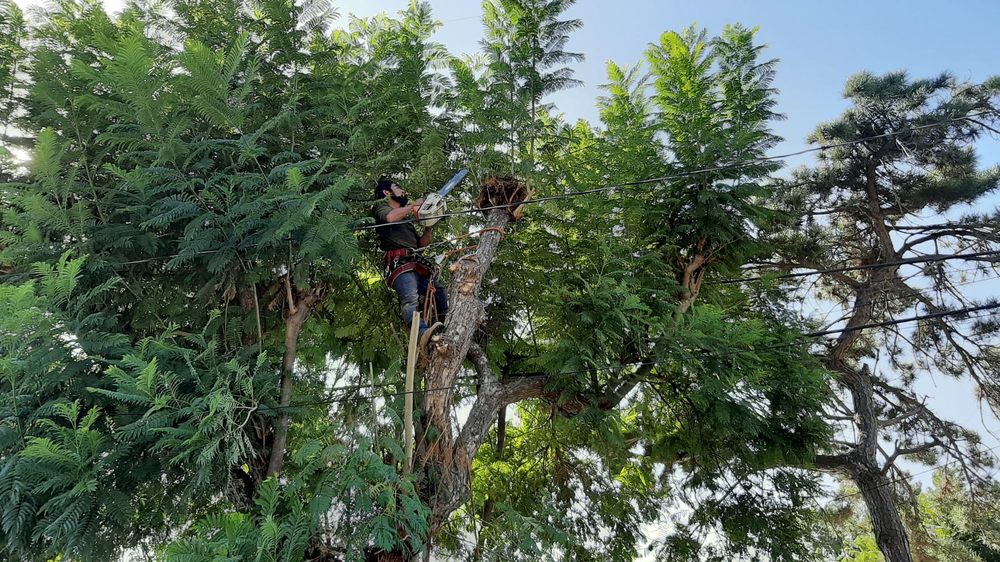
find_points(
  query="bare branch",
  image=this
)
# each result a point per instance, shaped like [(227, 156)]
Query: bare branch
[(897, 419), (923, 447)]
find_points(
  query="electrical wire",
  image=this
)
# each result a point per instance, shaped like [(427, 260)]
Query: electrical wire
[(605, 188), (895, 322), (907, 261), (682, 175), (635, 364)]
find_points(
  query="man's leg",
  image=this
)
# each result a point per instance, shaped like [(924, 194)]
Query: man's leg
[(407, 287)]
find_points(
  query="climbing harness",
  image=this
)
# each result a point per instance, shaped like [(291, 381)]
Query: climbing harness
[(398, 262)]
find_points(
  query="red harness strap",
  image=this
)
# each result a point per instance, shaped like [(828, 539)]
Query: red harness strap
[(398, 262), (396, 254)]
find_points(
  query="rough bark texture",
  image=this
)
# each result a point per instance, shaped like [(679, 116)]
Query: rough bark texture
[(890, 534), (864, 469), (447, 457)]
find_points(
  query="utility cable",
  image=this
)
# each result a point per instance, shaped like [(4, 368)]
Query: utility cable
[(907, 261), (682, 175), (895, 322), (616, 367), (605, 188)]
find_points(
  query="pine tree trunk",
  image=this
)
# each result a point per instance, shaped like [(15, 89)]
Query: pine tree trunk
[(861, 464), (890, 534)]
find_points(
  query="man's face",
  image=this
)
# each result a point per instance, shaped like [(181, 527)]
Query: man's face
[(398, 194)]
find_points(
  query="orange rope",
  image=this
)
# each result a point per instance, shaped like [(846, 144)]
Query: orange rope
[(429, 303), (430, 306)]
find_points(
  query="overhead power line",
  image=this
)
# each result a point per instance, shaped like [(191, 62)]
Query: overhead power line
[(689, 173), (956, 312), (943, 314), (605, 188), (907, 261)]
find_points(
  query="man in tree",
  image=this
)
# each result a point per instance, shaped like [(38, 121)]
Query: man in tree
[(406, 271)]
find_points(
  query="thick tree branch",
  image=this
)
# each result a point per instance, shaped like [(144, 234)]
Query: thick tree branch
[(834, 463)]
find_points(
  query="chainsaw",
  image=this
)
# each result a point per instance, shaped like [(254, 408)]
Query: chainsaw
[(434, 206)]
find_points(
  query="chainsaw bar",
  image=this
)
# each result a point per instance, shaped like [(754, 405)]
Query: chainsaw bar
[(453, 182)]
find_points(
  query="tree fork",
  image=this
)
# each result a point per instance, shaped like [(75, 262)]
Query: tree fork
[(862, 467)]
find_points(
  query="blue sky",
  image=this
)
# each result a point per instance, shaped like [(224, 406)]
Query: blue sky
[(819, 44)]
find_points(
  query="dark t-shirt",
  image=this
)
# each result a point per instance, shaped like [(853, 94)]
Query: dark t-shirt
[(397, 235)]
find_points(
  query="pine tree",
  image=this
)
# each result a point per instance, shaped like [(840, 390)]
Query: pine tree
[(907, 148), (950, 522)]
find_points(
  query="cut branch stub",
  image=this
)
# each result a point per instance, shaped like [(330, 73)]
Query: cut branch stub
[(505, 192)]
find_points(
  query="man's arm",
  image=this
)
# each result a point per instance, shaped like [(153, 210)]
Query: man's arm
[(403, 213)]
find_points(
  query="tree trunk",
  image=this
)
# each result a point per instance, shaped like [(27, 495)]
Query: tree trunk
[(293, 326), (861, 464), (445, 461), (890, 534)]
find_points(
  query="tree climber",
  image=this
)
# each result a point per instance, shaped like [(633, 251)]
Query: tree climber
[(406, 271)]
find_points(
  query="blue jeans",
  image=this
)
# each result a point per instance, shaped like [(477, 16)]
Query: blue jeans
[(409, 286)]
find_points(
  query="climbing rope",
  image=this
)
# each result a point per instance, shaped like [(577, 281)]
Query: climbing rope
[(430, 305)]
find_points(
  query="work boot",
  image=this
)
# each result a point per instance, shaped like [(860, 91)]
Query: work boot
[(425, 337)]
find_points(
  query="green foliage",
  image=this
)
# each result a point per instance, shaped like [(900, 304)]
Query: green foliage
[(56, 453), (210, 159), (499, 96), (715, 103), (351, 490), (594, 286)]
